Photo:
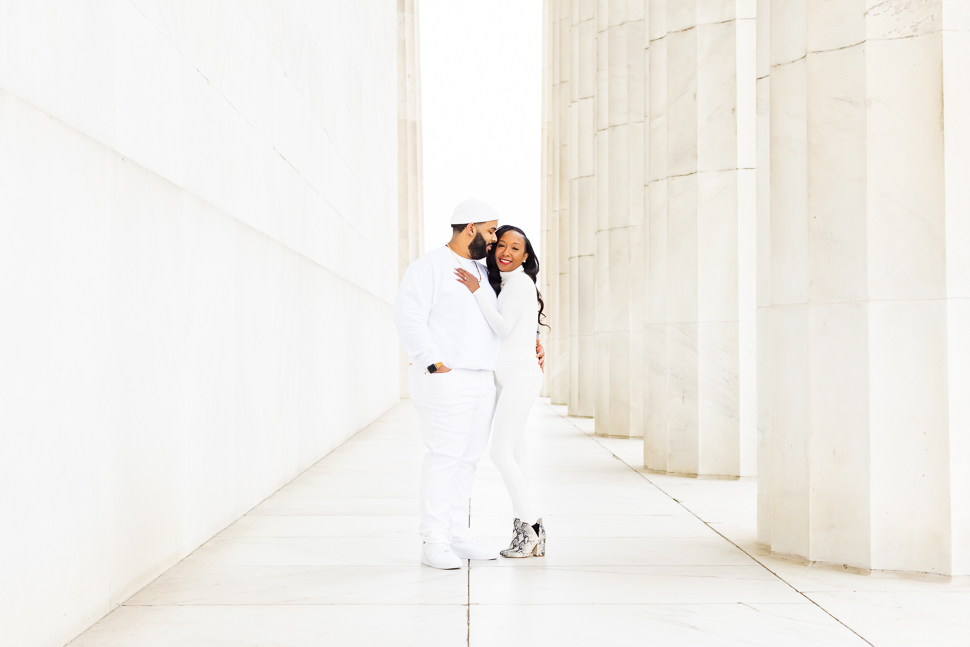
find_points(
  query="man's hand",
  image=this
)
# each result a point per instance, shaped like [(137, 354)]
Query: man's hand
[(541, 356), (443, 369)]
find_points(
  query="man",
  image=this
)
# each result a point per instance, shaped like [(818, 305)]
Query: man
[(453, 352)]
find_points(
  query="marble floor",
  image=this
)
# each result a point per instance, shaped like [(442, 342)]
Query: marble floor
[(332, 559)]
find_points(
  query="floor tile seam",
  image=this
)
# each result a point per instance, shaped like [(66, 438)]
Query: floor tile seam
[(639, 604), (294, 565), (561, 536), (555, 567), (880, 592), (461, 604), (401, 567), (624, 565), (762, 565), (560, 516), (297, 604), (645, 604), (468, 589), (315, 516), (345, 498), (342, 516), (357, 536), (742, 573), (603, 516), (319, 516)]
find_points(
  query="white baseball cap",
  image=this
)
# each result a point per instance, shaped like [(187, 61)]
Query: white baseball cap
[(473, 211)]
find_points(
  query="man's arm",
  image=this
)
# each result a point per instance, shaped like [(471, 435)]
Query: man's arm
[(412, 306)]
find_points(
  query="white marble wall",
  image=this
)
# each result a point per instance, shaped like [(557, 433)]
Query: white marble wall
[(199, 249), (867, 342), (700, 351), (410, 184)]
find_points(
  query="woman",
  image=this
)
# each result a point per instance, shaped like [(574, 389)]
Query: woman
[(512, 271)]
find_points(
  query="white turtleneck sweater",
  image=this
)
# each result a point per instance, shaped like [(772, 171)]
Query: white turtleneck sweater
[(517, 316)]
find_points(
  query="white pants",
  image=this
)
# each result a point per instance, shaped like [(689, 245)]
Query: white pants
[(455, 412), (519, 383)]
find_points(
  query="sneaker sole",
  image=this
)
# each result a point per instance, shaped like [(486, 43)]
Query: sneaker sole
[(442, 568)]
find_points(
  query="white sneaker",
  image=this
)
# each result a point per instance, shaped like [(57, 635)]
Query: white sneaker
[(470, 548), (438, 555)]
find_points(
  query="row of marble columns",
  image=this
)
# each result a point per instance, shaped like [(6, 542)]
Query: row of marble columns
[(410, 202), (756, 235)]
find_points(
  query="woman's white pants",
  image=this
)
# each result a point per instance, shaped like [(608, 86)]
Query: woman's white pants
[(518, 383), (455, 413)]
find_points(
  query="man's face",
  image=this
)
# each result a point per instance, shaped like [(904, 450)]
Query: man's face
[(484, 239)]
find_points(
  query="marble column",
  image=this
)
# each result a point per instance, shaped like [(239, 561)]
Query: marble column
[(655, 327), (552, 177), (701, 317), (556, 248), (582, 210), (560, 392), (547, 183), (410, 183), (620, 244), (763, 276), (869, 348)]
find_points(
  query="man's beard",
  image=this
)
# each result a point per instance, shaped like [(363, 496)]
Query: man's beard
[(478, 248)]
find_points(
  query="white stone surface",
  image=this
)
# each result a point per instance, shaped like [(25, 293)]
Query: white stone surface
[(410, 183), (594, 211), (582, 211), (861, 302), (682, 564), (199, 241), (673, 112), (620, 243), (700, 399), (795, 258), (762, 262), (559, 167)]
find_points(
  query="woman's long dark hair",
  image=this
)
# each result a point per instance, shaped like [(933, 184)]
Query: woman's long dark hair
[(530, 266)]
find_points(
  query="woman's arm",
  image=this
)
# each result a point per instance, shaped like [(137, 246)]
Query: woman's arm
[(502, 321), (513, 303)]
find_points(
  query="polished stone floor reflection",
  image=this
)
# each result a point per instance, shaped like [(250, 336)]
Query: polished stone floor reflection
[(332, 558)]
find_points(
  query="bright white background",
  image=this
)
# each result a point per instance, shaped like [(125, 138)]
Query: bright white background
[(481, 93)]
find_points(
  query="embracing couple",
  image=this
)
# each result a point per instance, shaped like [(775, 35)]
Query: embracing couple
[(470, 330)]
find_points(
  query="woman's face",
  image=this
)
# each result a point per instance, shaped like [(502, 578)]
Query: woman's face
[(510, 251)]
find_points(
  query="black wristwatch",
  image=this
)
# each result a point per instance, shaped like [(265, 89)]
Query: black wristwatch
[(434, 367)]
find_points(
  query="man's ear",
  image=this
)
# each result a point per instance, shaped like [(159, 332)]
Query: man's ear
[(471, 229)]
